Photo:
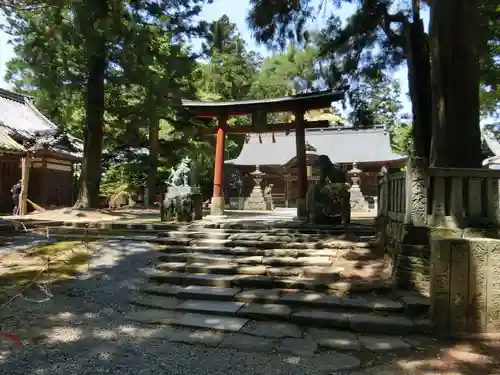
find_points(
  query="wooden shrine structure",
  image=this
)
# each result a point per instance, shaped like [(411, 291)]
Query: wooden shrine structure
[(258, 110)]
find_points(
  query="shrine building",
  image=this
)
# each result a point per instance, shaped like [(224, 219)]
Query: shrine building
[(26, 133), (285, 152), (275, 155)]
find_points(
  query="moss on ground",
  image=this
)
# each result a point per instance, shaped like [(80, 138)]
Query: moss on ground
[(47, 264)]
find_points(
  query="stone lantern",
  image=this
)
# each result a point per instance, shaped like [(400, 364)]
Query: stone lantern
[(256, 199), (358, 202)]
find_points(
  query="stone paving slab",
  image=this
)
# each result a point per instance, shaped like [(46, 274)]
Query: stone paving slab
[(320, 317), (156, 302), (153, 316), (188, 336), (161, 290), (391, 325), (207, 279), (337, 340), (383, 343), (258, 295), (305, 347), (270, 311), (224, 269), (171, 266), (213, 307), (249, 343), (276, 330), (163, 276), (208, 292), (313, 299), (209, 338), (253, 281), (210, 322)]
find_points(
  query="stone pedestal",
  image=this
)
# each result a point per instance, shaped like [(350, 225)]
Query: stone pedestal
[(256, 199), (182, 203), (358, 201), (217, 206), (465, 287)]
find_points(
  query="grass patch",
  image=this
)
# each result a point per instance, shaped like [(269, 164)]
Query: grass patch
[(49, 263)]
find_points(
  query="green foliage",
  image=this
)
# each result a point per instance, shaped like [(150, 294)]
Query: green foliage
[(401, 140), (147, 69), (376, 102), (295, 70)]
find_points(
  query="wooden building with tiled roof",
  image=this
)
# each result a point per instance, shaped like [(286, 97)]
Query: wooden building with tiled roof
[(52, 154)]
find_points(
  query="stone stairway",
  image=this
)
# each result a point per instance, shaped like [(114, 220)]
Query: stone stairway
[(227, 276)]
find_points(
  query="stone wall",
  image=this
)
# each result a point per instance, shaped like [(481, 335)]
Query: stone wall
[(465, 286), (408, 246)]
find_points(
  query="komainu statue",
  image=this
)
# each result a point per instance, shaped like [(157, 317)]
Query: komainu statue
[(328, 202), (182, 201)]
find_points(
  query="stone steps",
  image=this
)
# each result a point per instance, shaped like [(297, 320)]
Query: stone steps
[(346, 250), (341, 313), (300, 275), (339, 284), (260, 244)]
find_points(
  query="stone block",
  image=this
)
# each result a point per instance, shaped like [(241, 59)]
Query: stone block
[(312, 299), (153, 316), (249, 343), (258, 311), (253, 281), (466, 300), (258, 295), (156, 302), (219, 323), (390, 325), (304, 347), (188, 336), (161, 290), (276, 330), (383, 343), (211, 307), (209, 280), (337, 340), (207, 292), (321, 318)]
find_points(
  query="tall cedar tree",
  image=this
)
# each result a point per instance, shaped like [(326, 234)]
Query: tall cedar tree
[(376, 38)]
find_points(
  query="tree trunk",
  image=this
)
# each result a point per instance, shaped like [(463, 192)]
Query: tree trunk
[(153, 160), (90, 180), (419, 83), (456, 138)]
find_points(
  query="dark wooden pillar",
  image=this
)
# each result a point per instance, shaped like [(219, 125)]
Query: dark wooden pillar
[(217, 206), (300, 141)]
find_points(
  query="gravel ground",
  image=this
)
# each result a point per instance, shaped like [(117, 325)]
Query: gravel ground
[(81, 330)]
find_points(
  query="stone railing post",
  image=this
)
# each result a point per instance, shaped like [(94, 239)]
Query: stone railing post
[(411, 250)]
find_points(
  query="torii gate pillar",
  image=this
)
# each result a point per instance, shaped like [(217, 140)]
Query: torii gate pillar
[(302, 185), (217, 204)]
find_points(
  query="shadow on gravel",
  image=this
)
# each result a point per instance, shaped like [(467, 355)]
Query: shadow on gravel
[(81, 329)]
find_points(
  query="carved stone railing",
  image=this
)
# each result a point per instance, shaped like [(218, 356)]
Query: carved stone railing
[(459, 197), (392, 196)]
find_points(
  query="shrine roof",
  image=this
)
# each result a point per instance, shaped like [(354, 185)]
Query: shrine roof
[(24, 128), (340, 144), (315, 100)]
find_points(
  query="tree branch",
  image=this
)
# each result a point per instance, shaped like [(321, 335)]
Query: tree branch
[(386, 20), (23, 5)]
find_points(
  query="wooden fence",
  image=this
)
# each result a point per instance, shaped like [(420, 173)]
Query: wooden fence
[(392, 195), (455, 196)]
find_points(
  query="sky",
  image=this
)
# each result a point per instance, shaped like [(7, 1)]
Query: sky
[(237, 14)]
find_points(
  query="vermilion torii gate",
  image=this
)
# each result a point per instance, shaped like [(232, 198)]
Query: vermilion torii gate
[(258, 109)]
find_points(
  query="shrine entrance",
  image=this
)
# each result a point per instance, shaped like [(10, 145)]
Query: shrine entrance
[(258, 110)]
